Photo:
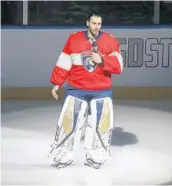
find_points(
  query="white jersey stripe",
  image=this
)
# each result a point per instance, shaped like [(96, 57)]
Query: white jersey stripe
[(76, 59), (64, 61), (119, 57)]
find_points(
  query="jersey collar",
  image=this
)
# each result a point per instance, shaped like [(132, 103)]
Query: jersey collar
[(96, 38)]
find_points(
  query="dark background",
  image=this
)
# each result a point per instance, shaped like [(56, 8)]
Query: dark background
[(74, 13)]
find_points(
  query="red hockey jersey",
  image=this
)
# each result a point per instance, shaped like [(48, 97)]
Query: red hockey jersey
[(75, 66)]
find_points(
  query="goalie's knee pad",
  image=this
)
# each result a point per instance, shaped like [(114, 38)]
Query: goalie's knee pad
[(72, 111), (69, 128), (99, 129), (104, 118)]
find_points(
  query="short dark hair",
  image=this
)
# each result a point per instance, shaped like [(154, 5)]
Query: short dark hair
[(93, 14)]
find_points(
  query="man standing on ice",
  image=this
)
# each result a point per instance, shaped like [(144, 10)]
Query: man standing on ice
[(87, 61)]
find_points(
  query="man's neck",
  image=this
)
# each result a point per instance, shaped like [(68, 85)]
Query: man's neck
[(91, 36)]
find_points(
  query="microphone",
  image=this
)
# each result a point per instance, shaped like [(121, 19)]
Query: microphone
[(94, 47)]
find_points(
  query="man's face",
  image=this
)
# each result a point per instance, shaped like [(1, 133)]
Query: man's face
[(94, 25)]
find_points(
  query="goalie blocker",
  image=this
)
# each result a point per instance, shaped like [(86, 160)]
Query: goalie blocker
[(86, 112)]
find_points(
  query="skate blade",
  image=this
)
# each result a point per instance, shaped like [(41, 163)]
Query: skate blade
[(60, 165), (93, 164)]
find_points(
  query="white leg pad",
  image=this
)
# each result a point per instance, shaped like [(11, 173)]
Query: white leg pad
[(99, 130), (69, 129)]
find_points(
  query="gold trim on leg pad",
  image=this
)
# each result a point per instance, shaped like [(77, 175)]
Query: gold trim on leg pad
[(67, 121), (104, 123)]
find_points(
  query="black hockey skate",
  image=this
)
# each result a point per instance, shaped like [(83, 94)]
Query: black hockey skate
[(91, 163), (60, 165)]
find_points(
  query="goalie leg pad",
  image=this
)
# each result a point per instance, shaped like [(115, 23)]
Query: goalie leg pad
[(69, 129), (99, 130)]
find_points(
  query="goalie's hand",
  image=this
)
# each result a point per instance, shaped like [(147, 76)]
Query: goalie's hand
[(54, 91), (96, 58)]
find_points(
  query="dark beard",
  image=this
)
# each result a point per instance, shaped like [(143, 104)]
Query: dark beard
[(92, 33)]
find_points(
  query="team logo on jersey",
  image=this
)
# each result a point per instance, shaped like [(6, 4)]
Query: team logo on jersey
[(87, 62)]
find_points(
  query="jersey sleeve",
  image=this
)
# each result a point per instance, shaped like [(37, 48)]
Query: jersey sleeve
[(113, 62), (61, 70)]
